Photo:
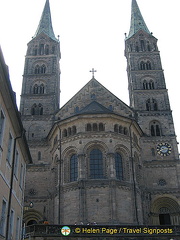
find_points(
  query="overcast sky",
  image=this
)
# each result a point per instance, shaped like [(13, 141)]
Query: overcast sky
[(92, 36)]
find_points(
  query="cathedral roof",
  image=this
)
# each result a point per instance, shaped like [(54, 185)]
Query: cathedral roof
[(45, 24), (137, 21)]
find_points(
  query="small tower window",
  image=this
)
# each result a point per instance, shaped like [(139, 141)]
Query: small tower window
[(37, 69), (41, 49), (35, 89), (155, 129), (41, 89), (43, 69), (142, 45), (47, 50)]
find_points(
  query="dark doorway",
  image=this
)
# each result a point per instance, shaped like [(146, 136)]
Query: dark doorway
[(164, 219)]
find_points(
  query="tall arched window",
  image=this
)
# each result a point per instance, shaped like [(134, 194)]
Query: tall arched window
[(73, 168), (155, 129), (151, 84), (43, 69), (40, 110), (41, 89), (145, 84), (35, 89), (96, 164), (118, 166), (37, 69)]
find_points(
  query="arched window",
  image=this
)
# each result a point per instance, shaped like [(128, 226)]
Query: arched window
[(155, 129), (96, 164), (37, 69), (74, 130), (73, 168), (116, 128), (43, 69), (69, 131), (35, 50), (34, 109), (101, 127), (151, 84), (125, 131), (95, 128), (118, 166), (145, 84), (148, 65), (41, 49), (137, 47), (142, 45), (120, 129), (40, 110), (142, 65), (88, 127), (64, 133), (154, 105), (35, 89), (148, 105), (47, 50), (41, 89)]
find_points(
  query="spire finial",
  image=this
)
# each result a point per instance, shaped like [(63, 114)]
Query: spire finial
[(45, 24), (93, 71), (137, 21)]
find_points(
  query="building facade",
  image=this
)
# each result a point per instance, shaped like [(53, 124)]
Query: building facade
[(96, 159), (14, 155)]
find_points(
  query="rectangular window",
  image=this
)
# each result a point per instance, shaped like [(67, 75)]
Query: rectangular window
[(11, 225), (2, 121), (16, 164), (18, 229), (21, 183), (10, 147), (3, 218)]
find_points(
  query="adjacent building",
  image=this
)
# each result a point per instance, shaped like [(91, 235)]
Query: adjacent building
[(96, 159), (14, 155)]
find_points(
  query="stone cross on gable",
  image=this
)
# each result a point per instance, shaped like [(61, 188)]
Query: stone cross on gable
[(92, 71)]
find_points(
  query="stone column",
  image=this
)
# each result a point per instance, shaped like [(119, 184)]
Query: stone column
[(111, 166), (81, 167)]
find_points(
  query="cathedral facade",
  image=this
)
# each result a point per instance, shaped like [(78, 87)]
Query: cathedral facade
[(96, 159)]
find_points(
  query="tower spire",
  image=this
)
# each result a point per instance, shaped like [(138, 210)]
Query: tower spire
[(137, 21), (45, 24)]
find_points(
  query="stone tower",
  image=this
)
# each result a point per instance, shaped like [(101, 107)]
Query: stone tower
[(41, 84), (149, 98)]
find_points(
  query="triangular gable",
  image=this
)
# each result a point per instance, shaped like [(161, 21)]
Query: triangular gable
[(93, 92)]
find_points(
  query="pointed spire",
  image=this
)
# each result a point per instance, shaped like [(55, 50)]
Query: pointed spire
[(137, 21), (45, 24)]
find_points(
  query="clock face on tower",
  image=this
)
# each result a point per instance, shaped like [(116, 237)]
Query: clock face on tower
[(164, 149)]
